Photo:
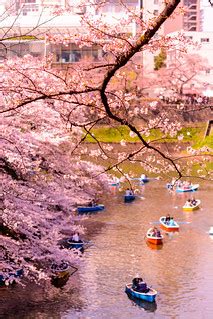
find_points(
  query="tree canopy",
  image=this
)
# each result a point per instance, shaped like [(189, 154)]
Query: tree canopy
[(47, 113)]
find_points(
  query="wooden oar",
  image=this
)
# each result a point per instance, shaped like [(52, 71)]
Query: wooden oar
[(183, 222), (141, 197), (178, 222)]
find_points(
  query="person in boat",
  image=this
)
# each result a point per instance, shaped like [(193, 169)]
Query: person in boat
[(135, 282), (188, 203), (129, 192), (139, 285), (180, 184), (186, 185), (76, 237), (193, 202), (143, 176), (154, 231), (158, 233), (172, 222), (92, 203), (167, 219), (173, 182)]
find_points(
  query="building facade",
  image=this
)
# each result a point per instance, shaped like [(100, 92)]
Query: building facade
[(29, 9), (191, 20), (32, 7)]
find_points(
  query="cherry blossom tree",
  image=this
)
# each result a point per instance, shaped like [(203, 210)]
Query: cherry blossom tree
[(46, 117), (184, 71)]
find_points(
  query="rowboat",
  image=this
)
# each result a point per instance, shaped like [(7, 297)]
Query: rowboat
[(114, 182), (89, 209), (156, 240), (129, 198), (211, 230), (75, 245), (144, 180), (7, 278), (193, 207), (153, 246), (148, 296), (61, 273), (61, 270), (170, 186), (146, 305), (185, 189), (140, 179), (168, 227)]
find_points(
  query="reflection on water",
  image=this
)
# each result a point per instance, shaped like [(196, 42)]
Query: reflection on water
[(178, 270), (153, 246), (147, 306)]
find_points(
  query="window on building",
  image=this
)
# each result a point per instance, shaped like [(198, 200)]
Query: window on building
[(72, 53), (204, 40), (155, 12), (116, 6), (81, 10), (156, 1), (189, 2), (189, 37), (208, 71), (192, 18)]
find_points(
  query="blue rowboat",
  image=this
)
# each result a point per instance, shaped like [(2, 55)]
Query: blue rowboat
[(148, 296), (114, 184), (10, 276), (144, 180), (88, 209), (129, 198), (191, 188), (75, 245)]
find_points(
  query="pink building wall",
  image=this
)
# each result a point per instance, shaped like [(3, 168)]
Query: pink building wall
[(190, 21)]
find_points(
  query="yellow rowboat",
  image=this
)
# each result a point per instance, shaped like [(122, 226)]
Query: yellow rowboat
[(193, 207)]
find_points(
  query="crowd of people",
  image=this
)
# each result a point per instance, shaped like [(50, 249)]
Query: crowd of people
[(186, 99)]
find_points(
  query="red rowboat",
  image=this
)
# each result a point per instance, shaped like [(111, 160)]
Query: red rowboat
[(156, 240)]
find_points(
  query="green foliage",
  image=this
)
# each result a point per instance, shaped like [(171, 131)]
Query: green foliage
[(192, 135), (160, 60), (207, 141), (117, 134), (26, 37)]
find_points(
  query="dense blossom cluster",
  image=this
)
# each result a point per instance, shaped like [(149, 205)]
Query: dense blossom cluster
[(42, 186)]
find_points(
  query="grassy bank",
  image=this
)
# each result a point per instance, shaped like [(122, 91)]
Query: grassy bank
[(192, 134)]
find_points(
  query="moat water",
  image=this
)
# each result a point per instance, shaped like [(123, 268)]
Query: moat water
[(181, 270)]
